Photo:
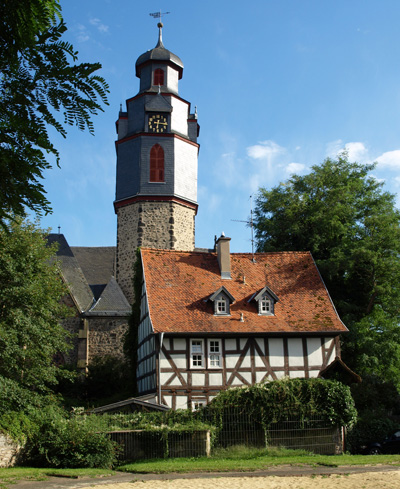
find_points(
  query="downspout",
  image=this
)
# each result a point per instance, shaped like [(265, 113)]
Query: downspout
[(159, 367)]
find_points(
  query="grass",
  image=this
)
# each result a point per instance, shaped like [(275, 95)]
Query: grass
[(242, 459), (236, 459), (13, 474)]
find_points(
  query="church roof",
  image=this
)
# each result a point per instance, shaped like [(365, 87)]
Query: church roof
[(88, 272), (178, 285), (159, 53)]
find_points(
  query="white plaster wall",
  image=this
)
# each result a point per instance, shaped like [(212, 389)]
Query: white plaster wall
[(185, 173), (243, 342), (257, 360), (230, 344), (328, 343), (297, 374), (198, 379), (246, 360), (215, 379), (168, 400), (231, 360), (276, 352), (295, 350), (260, 376), (178, 358), (314, 351), (179, 344), (179, 115), (181, 402), (260, 343)]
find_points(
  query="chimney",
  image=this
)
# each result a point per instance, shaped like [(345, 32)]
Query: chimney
[(224, 257)]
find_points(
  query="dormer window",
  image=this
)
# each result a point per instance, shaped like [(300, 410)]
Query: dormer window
[(222, 306), (222, 300), (265, 305), (266, 300), (158, 77)]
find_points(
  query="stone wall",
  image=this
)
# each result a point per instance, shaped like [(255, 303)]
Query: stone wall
[(164, 225), (9, 451), (106, 337)]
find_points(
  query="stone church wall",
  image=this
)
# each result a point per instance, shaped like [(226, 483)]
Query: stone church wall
[(164, 225), (106, 337), (9, 451)]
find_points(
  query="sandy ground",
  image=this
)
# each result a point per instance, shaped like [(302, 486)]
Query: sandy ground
[(367, 480)]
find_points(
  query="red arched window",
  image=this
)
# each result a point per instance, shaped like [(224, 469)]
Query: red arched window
[(159, 77), (156, 164)]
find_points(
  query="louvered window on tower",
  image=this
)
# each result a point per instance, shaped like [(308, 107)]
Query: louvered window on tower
[(159, 77), (156, 164)]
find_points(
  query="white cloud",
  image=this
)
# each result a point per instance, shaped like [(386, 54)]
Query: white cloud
[(82, 35), (294, 168), (356, 151), (100, 26), (264, 150), (389, 160)]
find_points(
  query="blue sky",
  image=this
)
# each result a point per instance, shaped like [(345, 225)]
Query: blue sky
[(279, 85)]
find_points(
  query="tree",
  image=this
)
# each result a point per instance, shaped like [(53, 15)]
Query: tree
[(38, 80), (343, 216), (30, 307)]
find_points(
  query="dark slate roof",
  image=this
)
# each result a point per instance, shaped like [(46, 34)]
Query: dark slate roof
[(112, 302), (88, 272), (159, 53), (97, 264), (72, 273), (158, 103)]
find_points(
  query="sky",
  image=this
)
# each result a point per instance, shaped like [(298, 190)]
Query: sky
[(279, 86)]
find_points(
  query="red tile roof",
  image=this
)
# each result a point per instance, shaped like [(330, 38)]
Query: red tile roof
[(179, 283)]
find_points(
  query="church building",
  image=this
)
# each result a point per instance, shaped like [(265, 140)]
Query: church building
[(209, 319)]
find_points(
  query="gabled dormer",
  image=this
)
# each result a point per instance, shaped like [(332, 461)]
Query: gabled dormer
[(222, 300), (265, 300)]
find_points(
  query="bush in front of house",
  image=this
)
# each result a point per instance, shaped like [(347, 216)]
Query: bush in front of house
[(62, 442)]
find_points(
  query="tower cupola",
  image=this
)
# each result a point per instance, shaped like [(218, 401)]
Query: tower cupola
[(159, 67)]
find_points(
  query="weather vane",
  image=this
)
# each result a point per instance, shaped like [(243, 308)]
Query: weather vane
[(157, 15)]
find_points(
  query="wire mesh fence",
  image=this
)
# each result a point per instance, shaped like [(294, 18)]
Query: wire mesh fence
[(187, 434)]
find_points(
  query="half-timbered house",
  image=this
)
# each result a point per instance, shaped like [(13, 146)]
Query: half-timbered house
[(213, 320)]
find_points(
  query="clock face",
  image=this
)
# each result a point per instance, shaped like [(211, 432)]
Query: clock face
[(157, 123)]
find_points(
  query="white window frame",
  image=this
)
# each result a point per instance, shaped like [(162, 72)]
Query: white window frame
[(214, 356), (266, 298), (200, 354), (198, 403)]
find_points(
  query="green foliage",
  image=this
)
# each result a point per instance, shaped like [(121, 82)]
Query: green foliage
[(343, 216), (274, 401), (38, 80), (62, 442), (30, 308), (371, 427)]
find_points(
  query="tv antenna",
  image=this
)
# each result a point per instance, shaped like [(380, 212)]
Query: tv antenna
[(158, 15), (250, 223)]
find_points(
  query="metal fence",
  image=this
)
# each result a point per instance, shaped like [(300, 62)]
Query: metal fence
[(186, 434)]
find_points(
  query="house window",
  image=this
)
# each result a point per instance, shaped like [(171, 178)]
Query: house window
[(265, 305), (214, 353), (159, 77), (221, 306), (197, 353), (156, 164), (198, 404)]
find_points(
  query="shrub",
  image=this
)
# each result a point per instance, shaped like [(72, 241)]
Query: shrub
[(371, 427), (61, 442), (302, 398)]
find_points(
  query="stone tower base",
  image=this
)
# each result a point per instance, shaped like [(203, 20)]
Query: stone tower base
[(165, 225)]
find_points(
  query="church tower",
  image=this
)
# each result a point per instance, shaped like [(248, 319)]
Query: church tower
[(157, 153)]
